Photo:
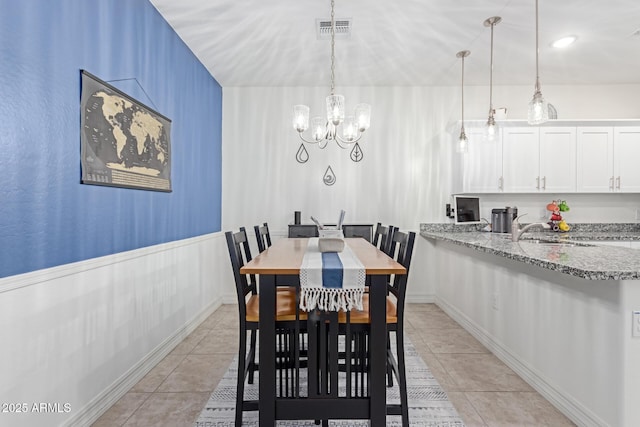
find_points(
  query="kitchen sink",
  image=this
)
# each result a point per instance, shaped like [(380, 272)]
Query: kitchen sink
[(550, 242)]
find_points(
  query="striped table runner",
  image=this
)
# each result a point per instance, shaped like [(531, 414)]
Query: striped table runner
[(331, 281)]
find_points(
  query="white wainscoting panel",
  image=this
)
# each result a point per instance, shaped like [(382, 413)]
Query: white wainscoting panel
[(82, 334), (566, 336)]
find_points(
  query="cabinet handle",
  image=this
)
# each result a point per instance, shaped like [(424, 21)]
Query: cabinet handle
[(500, 183), (611, 183), (537, 183), (618, 182), (544, 182)]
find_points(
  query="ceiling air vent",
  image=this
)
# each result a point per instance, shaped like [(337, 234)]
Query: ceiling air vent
[(343, 28)]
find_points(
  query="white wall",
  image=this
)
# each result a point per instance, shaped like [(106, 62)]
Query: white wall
[(400, 180), (405, 177), (585, 208), (84, 333)]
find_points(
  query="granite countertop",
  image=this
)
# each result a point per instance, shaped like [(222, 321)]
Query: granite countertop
[(590, 262)]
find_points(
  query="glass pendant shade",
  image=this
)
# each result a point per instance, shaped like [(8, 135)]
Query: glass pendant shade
[(363, 116), (538, 111), (335, 109), (300, 117), (349, 130), (318, 128), (491, 129), (462, 146)]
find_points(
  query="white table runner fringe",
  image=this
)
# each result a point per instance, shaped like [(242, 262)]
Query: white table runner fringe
[(331, 299), (312, 292)]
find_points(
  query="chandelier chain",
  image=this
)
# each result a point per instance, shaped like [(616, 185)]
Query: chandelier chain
[(333, 55)]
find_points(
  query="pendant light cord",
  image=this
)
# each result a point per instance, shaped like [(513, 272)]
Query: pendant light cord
[(491, 74), (537, 88), (462, 87)]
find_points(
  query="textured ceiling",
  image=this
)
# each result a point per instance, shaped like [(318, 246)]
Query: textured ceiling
[(409, 42)]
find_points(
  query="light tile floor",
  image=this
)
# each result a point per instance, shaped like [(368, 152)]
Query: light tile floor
[(483, 389)]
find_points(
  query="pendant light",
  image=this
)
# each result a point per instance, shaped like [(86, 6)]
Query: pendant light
[(463, 143), (491, 130), (538, 111)]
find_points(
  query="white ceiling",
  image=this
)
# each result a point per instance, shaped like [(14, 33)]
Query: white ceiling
[(409, 42)]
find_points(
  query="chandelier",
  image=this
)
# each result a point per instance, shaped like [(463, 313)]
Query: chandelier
[(325, 130)]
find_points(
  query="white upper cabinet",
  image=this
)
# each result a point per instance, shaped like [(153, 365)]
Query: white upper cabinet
[(558, 159), (539, 159), (608, 159), (626, 152), (595, 159), (521, 159), (482, 165)]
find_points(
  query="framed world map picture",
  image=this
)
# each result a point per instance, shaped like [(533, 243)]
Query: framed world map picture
[(123, 142)]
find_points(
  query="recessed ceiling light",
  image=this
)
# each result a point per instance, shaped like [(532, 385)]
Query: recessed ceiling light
[(564, 42)]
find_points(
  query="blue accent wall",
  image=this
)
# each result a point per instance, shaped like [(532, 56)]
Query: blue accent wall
[(47, 218)]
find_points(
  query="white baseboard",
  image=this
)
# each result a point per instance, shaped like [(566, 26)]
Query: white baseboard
[(571, 408), (420, 298), (101, 403)]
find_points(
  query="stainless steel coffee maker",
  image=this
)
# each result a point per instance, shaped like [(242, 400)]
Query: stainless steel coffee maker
[(501, 219)]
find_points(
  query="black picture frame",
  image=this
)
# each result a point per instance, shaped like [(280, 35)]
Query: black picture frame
[(124, 143)]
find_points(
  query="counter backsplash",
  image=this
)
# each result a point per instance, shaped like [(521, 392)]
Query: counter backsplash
[(575, 227)]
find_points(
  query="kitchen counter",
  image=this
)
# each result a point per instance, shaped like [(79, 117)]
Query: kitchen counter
[(590, 262), (560, 315)]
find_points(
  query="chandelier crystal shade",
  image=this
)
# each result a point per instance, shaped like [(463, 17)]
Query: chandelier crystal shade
[(463, 142), (538, 111), (491, 129), (326, 129)]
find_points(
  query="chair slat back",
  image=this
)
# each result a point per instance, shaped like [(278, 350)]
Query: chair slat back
[(303, 230), (240, 254), (402, 251), (263, 237), (358, 230), (382, 238)]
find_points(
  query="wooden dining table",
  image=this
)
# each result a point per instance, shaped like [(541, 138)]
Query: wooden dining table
[(284, 258)]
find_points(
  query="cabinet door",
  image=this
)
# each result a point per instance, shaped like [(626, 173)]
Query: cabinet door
[(482, 164), (594, 159), (558, 159), (626, 152), (521, 159)]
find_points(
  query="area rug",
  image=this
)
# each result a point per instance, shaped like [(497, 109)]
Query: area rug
[(429, 405)]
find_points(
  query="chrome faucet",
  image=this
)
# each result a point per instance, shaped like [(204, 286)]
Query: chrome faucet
[(517, 232)]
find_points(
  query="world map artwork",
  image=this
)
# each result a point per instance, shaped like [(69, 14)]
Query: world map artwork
[(124, 143)]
